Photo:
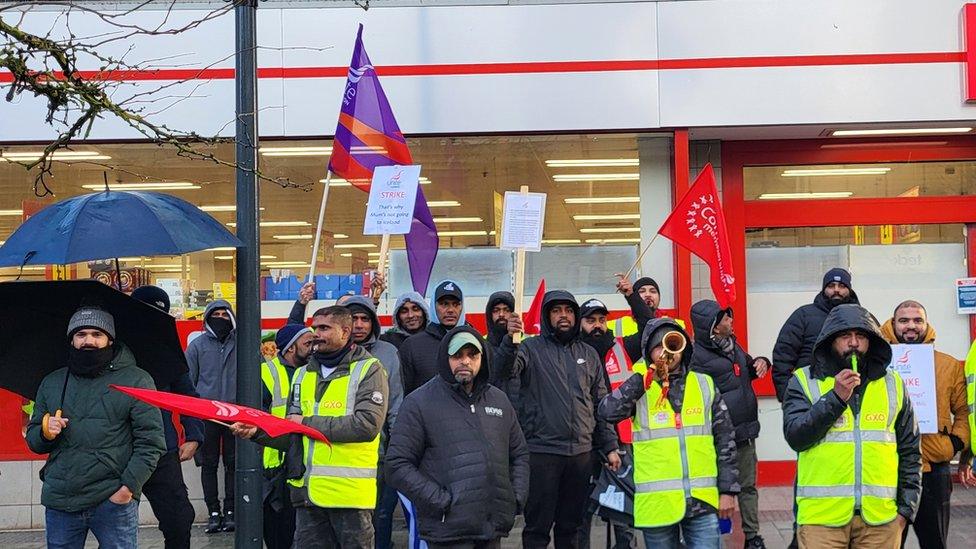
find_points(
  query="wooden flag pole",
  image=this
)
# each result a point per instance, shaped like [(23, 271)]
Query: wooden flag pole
[(640, 256), (519, 278), (318, 228), (384, 256)]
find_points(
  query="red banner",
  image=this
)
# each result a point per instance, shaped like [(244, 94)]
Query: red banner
[(532, 319), (698, 224)]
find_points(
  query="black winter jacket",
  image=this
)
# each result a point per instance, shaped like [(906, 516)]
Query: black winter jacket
[(805, 423), (794, 345), (418, 357), (502, 347), (733, 375), (461, 459), (642, 314), (559, 387)]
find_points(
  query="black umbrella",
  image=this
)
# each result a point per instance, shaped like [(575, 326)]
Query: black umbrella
[(34, 322)]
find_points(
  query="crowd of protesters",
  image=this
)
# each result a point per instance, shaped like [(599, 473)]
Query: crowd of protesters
[(465, 431)]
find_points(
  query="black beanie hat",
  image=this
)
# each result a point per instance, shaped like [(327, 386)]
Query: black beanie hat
[(646, 281), (837, 274)]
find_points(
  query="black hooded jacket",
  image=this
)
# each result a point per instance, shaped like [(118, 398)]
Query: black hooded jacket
[(642, 314), (502, 347), (733, 374), (460, 458), (622, 404), (559, 387), (794, 345), (418, 356), (805, 424)]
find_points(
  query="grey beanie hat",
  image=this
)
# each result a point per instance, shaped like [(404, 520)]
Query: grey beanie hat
[(92, 317)]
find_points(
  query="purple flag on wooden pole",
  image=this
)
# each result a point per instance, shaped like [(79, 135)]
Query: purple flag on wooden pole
[(368, 136)]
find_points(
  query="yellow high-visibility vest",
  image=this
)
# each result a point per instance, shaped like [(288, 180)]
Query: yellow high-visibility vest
[(275, 378), (855, 466), (343, 475), (971, 392), (674, 454), (625, 326)]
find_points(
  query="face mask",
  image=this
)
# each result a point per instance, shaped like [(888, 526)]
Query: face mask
[(221, 326), (89, 362)]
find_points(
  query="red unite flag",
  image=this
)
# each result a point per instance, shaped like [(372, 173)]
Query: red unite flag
[(532, 319), (698, 224)]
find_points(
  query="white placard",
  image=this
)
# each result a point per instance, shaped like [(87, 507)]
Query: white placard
[(523, 218), (916, 364), (392, 197)]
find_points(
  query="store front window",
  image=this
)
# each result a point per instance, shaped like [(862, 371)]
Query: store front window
[(884, 180), (592, 219)]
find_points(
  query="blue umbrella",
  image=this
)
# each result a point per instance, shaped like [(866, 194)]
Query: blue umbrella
[(112, 224)]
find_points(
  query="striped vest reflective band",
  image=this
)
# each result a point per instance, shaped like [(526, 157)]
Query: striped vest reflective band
[(275, 378), (343, 475), (971, 392), (619, 369), (674, 454), (855, 465), (625, 326)]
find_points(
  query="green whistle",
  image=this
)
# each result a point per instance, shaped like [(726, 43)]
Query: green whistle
[(854, 363)]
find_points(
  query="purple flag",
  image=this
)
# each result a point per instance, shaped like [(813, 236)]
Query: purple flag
[(368, 136)]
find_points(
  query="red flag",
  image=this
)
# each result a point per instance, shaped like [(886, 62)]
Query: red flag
[(225, 412), (532, 319), (698, 224)]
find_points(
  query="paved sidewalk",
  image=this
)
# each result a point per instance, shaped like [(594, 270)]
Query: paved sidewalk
[(775, 516)]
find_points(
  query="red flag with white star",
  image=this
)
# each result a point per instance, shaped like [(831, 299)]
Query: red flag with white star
[(698, 224)]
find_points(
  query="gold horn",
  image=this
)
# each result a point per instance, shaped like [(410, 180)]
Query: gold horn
[(674, 342)]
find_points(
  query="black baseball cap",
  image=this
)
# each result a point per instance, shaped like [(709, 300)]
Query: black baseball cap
[(591, 306), (448, 288)]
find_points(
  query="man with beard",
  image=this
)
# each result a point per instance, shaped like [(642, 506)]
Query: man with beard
[(212, 358), (294, 342), (410, 317), (685, 473), (910, 325), (561, 381), (418, 354), (794, 345), (102, 446), (719, 355), (365, 329), (850, 420), (502, 323), (342, 392), (458, 453)]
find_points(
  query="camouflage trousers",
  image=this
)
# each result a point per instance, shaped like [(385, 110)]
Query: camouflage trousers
[(319, 528)]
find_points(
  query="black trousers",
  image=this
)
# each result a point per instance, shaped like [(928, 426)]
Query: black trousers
[(558, 490), (217, 443), (492, 544), (167, 496), (932, 520), (279, 526)]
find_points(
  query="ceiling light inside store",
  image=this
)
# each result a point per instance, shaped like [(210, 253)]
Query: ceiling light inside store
[(458, 220), (284, 264), (561, 241), (613, 240), (160, 186), (804, 196), (292, 237), (606, 217), (279, 224), (295, 151), (226, 249), (574, 177), (593, 163), (223, 257), (345, 255), (603, 200), (610, 230), (443, 203), (829, 172), (353, 246), (340, 182), (461, 233), (11, 213), (898, 131), (61, 156)]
